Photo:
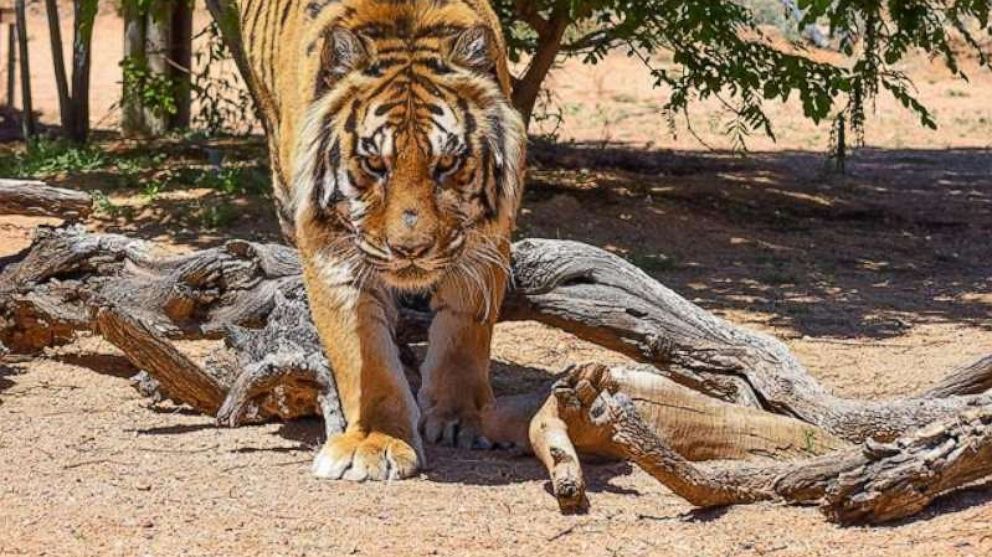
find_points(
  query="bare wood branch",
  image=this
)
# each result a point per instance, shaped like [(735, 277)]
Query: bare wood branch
[(180, 377), (37, 199), (973, 378), (603, 299), (872, 484)]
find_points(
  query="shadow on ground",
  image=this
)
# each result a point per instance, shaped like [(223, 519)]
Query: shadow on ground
[(901, 237), (5, 373)]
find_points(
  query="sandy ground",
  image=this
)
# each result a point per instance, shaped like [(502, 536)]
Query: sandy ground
[(880, 280)]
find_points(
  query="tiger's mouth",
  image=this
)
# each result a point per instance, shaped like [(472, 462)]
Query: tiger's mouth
[(411, 273), (408, 274), (411, 277)]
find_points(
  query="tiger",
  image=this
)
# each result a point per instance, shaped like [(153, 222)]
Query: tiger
[(398, 161)]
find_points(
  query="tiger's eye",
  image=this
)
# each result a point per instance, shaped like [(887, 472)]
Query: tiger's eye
[(445, 164), (374, 165)]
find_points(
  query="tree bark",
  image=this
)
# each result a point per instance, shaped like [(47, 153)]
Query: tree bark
[(602, 298), (181, 61), (132, 113), (11, 64), (158, 40), (971, 379), (27, 118), (37, 199), (58, 62), (85, 16), (158, 37), (148, 349), (549, 36)]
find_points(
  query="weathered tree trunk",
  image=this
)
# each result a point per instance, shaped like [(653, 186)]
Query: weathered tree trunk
[(251, 295), (148, 349), (603, 299), (37, 199)]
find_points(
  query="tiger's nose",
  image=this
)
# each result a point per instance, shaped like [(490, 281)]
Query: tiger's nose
[(411, 247)]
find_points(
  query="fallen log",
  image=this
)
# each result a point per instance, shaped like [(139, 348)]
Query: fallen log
[(709, 389), (872, 484), (602, 298), (38, 199)]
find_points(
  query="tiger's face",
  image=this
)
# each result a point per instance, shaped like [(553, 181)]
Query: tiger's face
[(412, 159)]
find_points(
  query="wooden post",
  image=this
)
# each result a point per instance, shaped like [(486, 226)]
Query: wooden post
[(27, 121)]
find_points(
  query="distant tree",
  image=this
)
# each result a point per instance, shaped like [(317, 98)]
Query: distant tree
[(74, 102), (719, 51), (156, 65)]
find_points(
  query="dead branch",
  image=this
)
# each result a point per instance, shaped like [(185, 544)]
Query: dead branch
[(971, 379), (149, 350), (603, 299), (871, 484), (38, 199)]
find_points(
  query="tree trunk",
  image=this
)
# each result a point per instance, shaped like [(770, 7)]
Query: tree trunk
[(27, 118), (158, 43), (58, 62), (158, 37), (11, 64), (85, 16), (132, 117), (872, 484), (181, 56), (527, 89)]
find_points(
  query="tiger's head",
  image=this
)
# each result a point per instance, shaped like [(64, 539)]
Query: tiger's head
[(411, 158)]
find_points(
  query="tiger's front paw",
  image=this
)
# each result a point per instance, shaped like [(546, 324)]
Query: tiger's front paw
[(453, 427), (360, 456)]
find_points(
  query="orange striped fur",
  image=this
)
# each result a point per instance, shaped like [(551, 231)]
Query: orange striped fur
[(397, 166)]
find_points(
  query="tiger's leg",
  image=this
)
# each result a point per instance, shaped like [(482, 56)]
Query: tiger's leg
[(455, 389), (380, 441)]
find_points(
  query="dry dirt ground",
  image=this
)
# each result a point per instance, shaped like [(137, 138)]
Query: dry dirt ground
[(880, 279)]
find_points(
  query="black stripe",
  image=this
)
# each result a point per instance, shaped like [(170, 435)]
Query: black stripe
[(351, 124), (286, 10)]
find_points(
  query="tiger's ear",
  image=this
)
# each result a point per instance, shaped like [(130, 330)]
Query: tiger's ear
[(344, 52), (475, 49)]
